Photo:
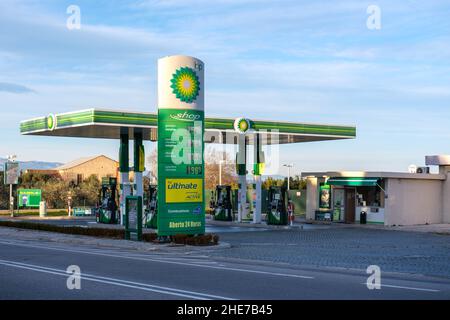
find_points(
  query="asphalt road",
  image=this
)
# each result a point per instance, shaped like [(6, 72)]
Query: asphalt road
[(37, 270)]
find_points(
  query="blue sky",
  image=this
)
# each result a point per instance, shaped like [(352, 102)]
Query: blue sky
[(306, 61)]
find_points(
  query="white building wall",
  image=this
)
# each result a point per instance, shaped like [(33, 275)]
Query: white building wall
[(445, 194), (413, 202), (312, 200)]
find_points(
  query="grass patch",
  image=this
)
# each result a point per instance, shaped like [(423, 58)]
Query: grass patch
[(35, 213), (93, 232)]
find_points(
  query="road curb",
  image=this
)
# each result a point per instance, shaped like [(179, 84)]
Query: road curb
[(107, 242)]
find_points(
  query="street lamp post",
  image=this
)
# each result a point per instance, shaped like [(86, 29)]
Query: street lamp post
[(69, 202), (221, 162), (11, 158), (289, 166), (222, 156)]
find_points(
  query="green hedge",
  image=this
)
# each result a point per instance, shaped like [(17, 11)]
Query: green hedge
[(199, 240), (93, 232)]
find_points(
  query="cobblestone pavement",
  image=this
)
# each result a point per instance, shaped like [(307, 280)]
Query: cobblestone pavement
[(354, 248)]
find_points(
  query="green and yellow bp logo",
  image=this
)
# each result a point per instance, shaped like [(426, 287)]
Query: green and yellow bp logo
[(185, 84), (242, 125), (51, 122)]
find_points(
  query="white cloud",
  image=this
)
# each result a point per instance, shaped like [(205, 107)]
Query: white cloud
[(14, 88), (296, 60)]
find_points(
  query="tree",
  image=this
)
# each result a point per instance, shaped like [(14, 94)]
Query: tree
[(212, 166), (271, 182), (295, 183), (55, 193), (152, 161), (86, 193)]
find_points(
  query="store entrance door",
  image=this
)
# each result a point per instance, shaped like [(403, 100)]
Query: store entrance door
[(350, 206), (338, 204)]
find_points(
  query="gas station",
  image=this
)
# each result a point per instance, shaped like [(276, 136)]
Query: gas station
[(181, 130)]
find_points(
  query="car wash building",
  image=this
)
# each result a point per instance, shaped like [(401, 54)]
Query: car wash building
[(386, 198)]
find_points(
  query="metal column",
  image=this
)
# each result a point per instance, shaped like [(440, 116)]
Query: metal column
[(139, 163), (258, 170), (241, 160), (124, 161)]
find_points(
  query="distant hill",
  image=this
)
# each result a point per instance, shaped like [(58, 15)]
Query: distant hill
[(37, 165)]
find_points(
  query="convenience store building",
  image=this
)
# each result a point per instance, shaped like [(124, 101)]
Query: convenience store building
[(387, 198)]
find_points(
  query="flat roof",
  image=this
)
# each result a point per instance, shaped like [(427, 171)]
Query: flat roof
[(440, 160), (107, 124), (80, 161), (375, 174)]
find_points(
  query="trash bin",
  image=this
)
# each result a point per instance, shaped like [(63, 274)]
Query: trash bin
[(363, 217), (42, 209)]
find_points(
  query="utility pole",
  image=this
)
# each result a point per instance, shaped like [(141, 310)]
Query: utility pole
[(69, 202), (11, 178), (11, 201), (289, 166), (222, 158), (221, 161), (220, 172)]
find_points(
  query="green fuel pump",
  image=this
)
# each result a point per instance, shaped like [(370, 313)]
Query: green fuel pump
[(107, 211), (151, 207), (277, 206), (223, 210)]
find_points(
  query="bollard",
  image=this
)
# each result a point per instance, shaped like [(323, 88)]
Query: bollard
[(42, 209)]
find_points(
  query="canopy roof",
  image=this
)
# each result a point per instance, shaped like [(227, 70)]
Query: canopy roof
[(354, 182), (107, 124)]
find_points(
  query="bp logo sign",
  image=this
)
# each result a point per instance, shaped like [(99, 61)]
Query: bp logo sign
[(51, 122), (242, 125), (185, 84)]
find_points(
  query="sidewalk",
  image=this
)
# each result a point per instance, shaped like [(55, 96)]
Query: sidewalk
[(298, 225), (443, 228)]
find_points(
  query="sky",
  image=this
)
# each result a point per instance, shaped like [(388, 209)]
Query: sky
[(303, 61)]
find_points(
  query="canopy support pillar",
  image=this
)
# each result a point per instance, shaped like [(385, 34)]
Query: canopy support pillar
[(258, 170), (139, 163), (241, 164), (124, 158)]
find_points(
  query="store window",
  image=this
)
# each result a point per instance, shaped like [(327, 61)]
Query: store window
[(324, 196), (370, 196)]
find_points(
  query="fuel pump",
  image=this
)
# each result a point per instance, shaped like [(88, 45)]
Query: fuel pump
[(151, 207), (277, 206), (107, 211), (222, 207)]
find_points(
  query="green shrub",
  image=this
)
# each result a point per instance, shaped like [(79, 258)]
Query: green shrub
[(197, 240), (149, 237), (93, 232)]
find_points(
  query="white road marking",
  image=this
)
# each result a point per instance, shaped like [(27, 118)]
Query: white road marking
[(117, 282), (406, 288), (164, 261), (220, 266)]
